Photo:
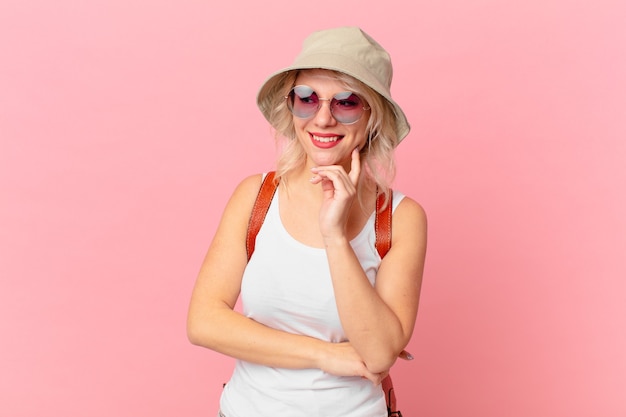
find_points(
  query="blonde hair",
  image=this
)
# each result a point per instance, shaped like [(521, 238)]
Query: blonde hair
[(377, 156)]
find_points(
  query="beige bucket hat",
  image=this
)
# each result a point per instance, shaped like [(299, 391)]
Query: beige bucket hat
[(348, 50)]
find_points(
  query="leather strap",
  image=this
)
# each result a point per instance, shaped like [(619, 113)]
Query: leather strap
[(259, 210), (382, 225), (390, 397)]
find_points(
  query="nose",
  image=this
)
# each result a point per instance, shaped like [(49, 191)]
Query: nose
[(324, 117)]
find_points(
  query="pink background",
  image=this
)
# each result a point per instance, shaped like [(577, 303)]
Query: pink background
[(125, 124)]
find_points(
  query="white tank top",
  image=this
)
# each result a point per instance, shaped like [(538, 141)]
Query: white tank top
[(287, 286)]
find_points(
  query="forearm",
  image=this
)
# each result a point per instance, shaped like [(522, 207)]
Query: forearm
[(228, 332), (371, 326)]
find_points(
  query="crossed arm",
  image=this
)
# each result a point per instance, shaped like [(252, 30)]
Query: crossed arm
[(378, 321)]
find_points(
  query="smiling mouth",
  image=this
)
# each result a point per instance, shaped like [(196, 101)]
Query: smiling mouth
[(326, 139)]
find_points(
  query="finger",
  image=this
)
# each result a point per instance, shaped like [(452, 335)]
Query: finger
[(322, 173), (337, 179), (375, 379), (405, 355), (328, 186), (355, 166)]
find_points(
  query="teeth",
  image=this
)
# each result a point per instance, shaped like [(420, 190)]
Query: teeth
[(325, 139)]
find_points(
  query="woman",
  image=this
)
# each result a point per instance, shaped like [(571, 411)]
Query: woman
[(323, 317)]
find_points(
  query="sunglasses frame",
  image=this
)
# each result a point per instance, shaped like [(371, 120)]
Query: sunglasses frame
[(290, 105)]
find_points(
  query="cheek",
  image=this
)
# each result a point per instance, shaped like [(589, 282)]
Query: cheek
[(298, 123), (363, 143), (299, 126), (362, 134)]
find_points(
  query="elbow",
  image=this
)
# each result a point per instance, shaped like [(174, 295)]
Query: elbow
[(192, 335), (202, 332), (385, 357), (382, 363), (194, 332), (205, 327)]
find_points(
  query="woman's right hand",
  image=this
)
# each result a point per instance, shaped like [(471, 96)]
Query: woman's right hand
[(342, 360)]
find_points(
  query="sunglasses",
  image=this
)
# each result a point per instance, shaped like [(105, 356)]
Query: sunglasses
[(345, 107)]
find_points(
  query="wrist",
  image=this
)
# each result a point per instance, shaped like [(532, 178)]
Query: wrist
[(336, 241), (320, 354)]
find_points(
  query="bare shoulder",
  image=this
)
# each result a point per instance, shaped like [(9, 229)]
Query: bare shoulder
[(248, 188), (409, 223), (410, 210), (242, 199), (237, 212)]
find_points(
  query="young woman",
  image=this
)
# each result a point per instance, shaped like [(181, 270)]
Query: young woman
[(324, 317)]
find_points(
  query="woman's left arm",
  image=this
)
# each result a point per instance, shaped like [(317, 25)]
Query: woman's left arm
[(379, 320)]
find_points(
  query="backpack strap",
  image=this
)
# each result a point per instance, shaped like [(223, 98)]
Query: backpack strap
[(259, 210), (382, 224)]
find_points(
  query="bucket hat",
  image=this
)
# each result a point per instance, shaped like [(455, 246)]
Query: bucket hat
[(348, 50)]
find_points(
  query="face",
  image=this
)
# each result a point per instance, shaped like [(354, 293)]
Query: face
[(325, 140)]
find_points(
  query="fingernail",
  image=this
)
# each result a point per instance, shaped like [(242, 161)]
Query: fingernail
[(409, 356)]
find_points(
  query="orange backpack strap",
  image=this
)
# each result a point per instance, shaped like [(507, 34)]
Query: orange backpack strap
[(259, 210), (390, 397), (382, 224)]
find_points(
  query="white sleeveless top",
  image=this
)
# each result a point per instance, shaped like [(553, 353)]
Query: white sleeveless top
[(287, 286)]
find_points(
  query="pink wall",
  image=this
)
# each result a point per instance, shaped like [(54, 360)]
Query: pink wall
[(124, 126)]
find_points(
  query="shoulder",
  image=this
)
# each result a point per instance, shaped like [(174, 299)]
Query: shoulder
[(407, 205), (243, 197), (409, 219), (249, 187)]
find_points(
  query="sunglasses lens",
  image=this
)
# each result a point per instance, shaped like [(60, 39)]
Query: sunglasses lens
[(303, 101), (345, 107)]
